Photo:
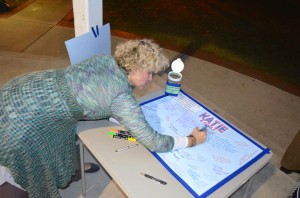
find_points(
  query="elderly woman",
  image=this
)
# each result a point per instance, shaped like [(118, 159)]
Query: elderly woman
[(39, 113)]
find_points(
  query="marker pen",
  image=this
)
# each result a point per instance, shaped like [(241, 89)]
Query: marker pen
[(129, 138), (203, 128), (119, 131), (155, 179), (127, 147), (119, 134)]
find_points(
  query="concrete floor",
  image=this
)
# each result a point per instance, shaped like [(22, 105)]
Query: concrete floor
[(31, 40)]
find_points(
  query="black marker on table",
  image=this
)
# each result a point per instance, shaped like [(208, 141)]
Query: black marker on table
[(155, 179)]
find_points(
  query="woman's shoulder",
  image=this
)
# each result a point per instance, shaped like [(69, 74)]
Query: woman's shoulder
[(97, 59), (103, 58)]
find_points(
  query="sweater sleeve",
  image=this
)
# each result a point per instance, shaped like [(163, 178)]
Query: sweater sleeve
[(128, 112)]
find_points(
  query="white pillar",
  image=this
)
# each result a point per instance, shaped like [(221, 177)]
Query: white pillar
[(87, 13)]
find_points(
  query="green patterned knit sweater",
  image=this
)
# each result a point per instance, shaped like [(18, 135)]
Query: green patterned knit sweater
[(39, 113)]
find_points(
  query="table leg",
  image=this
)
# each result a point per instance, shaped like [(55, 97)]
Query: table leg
[(82, 168), (249, 184)]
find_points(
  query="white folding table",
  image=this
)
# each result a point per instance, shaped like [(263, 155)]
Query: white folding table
[(126, 167)]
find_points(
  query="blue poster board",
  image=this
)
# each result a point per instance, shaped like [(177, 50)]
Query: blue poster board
[(205, 168), (96, 41)]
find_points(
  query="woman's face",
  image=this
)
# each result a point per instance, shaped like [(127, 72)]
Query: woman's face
[(139, 78)]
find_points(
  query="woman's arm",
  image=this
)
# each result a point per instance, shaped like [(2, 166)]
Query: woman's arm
[(128, 112)]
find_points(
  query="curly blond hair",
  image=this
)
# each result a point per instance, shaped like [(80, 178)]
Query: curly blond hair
[(144, 53)]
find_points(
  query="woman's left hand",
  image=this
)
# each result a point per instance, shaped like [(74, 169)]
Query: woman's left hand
[(200, 135)]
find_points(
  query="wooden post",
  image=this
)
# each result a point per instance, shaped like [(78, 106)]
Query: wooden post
[(87, 13)]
